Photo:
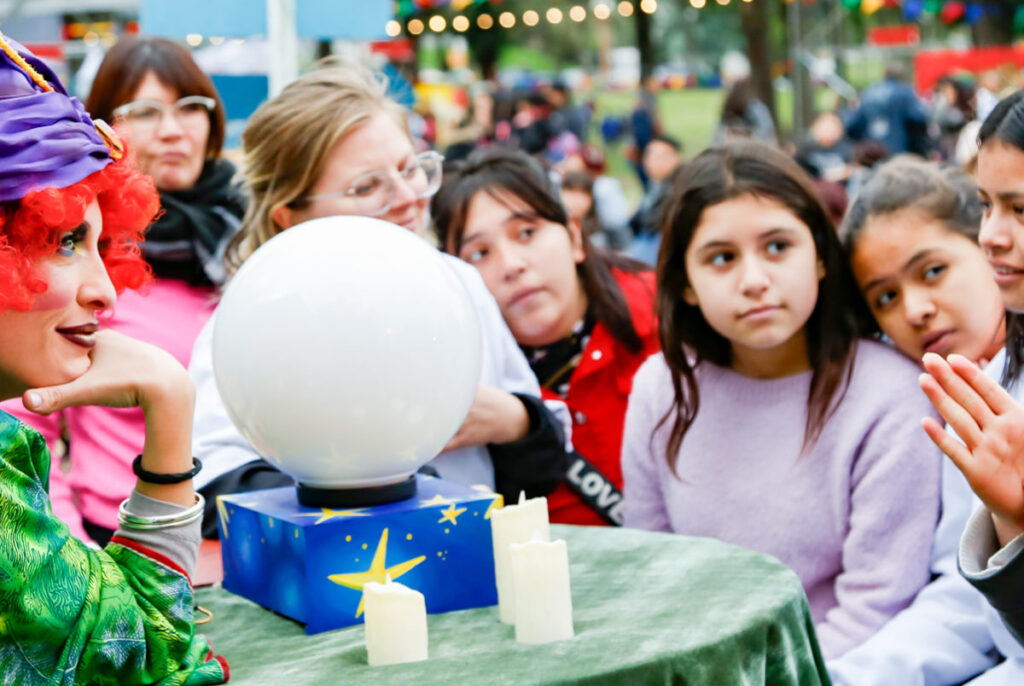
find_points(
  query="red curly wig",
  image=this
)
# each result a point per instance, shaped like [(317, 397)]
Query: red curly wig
[(31, 229)]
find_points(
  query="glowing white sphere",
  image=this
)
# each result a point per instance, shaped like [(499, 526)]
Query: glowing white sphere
[(347, 352)]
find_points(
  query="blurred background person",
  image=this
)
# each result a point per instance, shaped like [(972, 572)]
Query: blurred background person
[(608, 199), (953, 110), (890, 113), (744, 116), (644, 125), (826, 152), (662, 157)]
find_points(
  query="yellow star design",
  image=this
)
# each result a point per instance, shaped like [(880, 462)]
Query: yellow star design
[(436, 500), (222, 510), (327, 514), (496, 504), (377, 571), (450, 514)]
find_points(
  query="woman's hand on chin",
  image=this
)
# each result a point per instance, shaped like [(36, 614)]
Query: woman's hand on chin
[(124, 373), (128, 373), (991, 425)]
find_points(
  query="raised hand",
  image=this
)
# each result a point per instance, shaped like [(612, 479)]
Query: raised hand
[(991, 425)]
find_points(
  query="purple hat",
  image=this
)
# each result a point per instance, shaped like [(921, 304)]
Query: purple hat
[(47, 139)]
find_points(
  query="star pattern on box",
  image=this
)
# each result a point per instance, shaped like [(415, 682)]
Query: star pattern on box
[(225, 518), (436, 500), (496, 504), (326, 514), (450, 514), (378, 571)]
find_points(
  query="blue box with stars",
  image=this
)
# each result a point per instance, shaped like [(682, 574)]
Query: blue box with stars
[(310, 564)]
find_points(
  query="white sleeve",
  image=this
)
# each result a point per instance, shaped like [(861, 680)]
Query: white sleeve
[(981, 557), (943, 637), (215, 440), (504, 365)]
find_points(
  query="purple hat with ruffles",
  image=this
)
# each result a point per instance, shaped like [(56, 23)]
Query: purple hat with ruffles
[(47, 140)]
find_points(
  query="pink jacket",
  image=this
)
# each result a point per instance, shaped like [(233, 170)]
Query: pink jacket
[(103, 441)]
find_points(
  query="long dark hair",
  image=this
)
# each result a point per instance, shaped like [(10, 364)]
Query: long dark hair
[(840, 315), (503, 172), (1006, 125)]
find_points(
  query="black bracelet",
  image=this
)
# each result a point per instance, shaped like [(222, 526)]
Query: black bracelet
[(163, 479)]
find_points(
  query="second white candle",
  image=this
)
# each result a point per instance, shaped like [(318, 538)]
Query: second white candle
[(515, 524), (540, 576)]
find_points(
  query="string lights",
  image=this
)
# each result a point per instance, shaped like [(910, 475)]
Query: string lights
[(602, 10), (437, 23)]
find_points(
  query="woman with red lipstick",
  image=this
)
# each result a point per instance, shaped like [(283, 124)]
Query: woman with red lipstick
[(168, 112), (912, 238), (72, 211), (333, 143), (583, 316), (769, 421)]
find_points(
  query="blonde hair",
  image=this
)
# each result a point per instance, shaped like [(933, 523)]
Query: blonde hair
[(289, 138)]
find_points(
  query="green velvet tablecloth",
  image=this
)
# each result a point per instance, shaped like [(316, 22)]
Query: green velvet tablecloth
[(648, 608)]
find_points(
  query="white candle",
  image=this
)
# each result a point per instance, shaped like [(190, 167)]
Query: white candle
[(540, 576), (515, 524), (396, 623)]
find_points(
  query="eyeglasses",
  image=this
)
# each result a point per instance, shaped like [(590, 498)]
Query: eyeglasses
[(374, 192), (190, 111)]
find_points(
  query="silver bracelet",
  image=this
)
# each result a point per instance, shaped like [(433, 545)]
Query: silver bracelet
[(128, 520)]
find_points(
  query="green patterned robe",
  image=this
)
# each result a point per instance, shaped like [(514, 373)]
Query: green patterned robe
[(73, 615)]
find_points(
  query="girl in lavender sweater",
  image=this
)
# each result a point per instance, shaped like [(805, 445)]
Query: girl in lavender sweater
[(769, 421)]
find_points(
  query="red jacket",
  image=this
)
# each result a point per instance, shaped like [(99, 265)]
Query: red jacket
[(598, 394)]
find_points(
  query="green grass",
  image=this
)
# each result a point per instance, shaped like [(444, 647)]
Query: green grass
[(689, 115)]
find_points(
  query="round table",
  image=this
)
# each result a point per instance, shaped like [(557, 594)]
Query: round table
[(648, 608)]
